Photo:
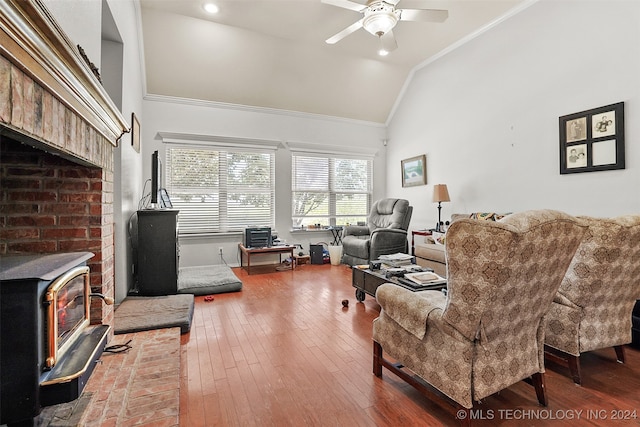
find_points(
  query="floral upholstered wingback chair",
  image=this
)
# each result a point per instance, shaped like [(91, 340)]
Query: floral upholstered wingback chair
[(487, 333), (592, 309)]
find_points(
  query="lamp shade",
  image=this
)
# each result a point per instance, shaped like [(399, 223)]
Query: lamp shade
[(440, 193)]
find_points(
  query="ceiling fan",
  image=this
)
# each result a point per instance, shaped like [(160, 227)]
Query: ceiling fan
[(380, 17)]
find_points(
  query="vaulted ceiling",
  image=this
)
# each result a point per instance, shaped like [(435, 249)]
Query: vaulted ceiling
[(272, 53)]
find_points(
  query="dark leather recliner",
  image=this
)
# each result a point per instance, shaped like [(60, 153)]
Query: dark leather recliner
[(385, 232)]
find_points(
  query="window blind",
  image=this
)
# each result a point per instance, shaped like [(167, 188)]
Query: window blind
[(220, 190), (330, 190)]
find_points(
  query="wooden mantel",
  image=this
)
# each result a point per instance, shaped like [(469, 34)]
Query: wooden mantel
[(32, 40)]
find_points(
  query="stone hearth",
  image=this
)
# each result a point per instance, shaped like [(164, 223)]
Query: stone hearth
[(140, 386)]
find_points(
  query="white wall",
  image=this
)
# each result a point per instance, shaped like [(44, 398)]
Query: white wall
[(81, 21), (128, 170), (486, 114), (201, 118)]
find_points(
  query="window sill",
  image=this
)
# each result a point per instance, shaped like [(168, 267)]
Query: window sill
[(188, 236), (315, 230)]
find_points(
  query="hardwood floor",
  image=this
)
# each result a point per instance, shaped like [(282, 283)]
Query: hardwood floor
[(284, 352)]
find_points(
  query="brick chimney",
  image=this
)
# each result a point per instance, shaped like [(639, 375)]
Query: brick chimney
[(58, 133)]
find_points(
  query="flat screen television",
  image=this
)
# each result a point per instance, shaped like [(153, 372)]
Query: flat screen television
[(156, 177), (257, 237)]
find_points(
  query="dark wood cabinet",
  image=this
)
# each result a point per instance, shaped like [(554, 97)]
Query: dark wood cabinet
[(157, 252)]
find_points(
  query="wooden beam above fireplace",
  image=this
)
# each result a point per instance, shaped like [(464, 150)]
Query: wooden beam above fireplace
[(31, 39)]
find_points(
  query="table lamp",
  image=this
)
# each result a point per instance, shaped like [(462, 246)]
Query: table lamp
[(440, 194)]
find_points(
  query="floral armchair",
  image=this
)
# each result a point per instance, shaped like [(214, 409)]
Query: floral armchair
[(592, 309), (487, 333)]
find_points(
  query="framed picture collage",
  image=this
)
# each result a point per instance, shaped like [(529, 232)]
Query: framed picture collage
[(592, 140)]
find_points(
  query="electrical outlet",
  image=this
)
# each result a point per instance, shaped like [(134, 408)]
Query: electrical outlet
[(220, 250)]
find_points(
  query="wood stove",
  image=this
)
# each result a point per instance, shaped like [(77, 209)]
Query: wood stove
[(48, 348)]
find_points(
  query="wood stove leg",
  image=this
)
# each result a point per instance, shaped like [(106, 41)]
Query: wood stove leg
[(619, 353), (377, 356)]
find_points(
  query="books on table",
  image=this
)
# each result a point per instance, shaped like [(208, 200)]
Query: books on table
[(396, 257), (424, 278), (397, 260)]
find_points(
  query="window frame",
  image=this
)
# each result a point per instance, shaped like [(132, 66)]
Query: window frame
[(222, 145), (333, 193)]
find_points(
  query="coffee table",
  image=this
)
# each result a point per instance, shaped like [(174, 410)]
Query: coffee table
[(367, 282)]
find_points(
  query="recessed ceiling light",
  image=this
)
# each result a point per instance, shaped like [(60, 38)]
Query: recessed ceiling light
[(383, 52), (211, 8)]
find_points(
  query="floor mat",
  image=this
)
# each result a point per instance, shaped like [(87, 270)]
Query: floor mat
[(207, 279), (145, 313)]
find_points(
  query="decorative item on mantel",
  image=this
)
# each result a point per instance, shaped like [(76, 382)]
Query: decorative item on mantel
[(91, 65), (440, 194)]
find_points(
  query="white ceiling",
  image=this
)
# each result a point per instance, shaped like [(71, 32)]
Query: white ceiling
[(271, 53)]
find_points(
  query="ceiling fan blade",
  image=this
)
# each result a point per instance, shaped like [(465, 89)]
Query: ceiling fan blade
[(425, 15), (388, 41), (346, 4), (344, 33)]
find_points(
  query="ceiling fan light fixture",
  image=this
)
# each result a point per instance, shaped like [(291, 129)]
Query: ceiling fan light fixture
[(380, 18)]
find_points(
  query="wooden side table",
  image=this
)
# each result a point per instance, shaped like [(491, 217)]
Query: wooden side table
[(413, 238), (247, 252)]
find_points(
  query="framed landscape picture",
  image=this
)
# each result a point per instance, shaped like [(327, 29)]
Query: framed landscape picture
[(414, 171), (592, 140)]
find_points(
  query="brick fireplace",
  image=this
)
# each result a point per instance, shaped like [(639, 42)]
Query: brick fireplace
[(50, 205), (58, 133)]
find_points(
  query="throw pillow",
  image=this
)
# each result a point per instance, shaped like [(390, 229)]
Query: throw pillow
[(483, 216), (438, 238), (488, 216)]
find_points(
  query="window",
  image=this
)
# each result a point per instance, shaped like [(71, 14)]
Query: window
[(330, 190), (220, 189)]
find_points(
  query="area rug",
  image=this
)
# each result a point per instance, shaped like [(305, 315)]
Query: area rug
[(207, 279), (137, 313)]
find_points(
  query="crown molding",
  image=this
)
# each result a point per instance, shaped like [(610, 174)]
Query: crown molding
[(260, 110)]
